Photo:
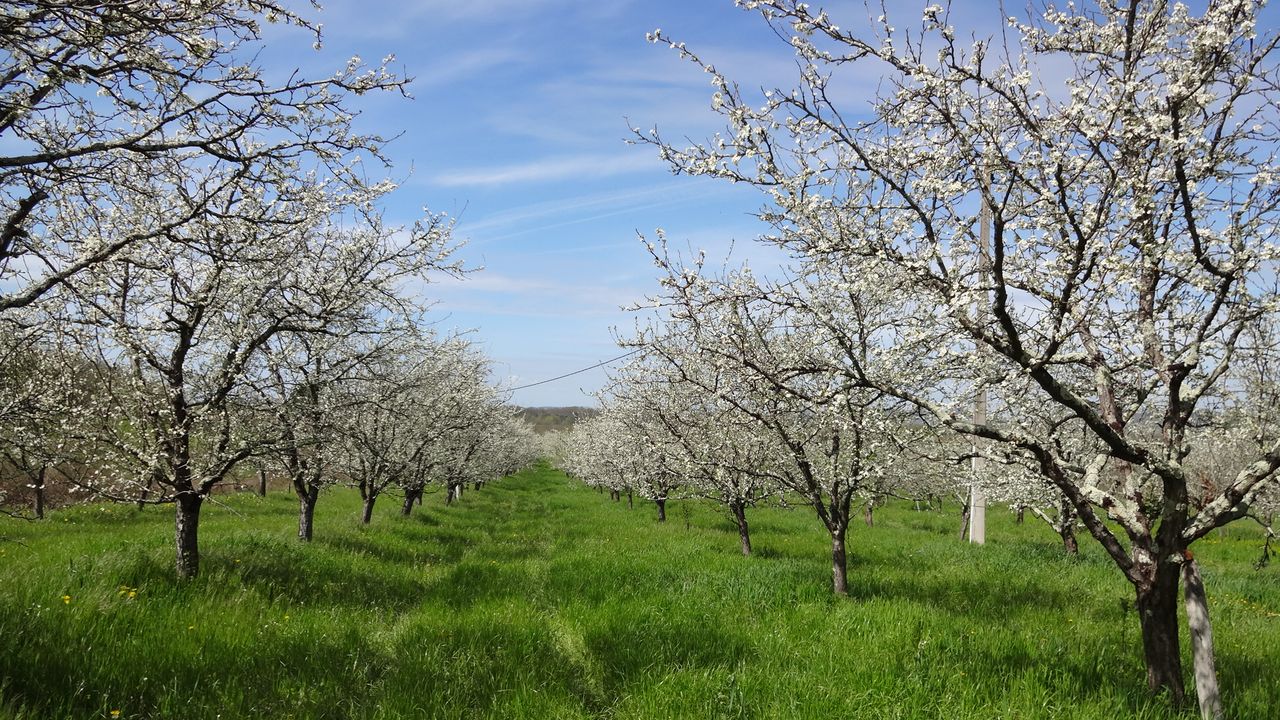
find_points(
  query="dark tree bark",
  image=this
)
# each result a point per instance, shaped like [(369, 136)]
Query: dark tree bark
[(186, 529), (1069, 543), (38, 490), (868, 515), (411, 496), (1021, 514), (739, 511), (964, 521), (1157, 604), (367, 515), (307, 512), (839, 563), (630, 500), (262, 482), (146, 491), (662, 509)]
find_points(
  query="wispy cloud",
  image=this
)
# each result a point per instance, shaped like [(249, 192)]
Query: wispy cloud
[(579, 209), (575, 167)]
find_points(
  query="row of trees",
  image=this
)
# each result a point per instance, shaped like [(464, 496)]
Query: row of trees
[(1053, 254), (196, 274)]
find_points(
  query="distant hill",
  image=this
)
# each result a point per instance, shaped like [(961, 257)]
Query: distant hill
[(551, 419)]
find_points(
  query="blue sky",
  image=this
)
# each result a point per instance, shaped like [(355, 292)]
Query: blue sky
[(517, 128)]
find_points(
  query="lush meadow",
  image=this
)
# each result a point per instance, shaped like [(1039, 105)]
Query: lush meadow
[(536, 597)]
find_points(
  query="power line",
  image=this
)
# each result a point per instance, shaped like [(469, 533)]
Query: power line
[(576, 372)]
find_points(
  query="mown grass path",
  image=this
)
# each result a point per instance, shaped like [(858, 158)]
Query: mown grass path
[(535, 597)]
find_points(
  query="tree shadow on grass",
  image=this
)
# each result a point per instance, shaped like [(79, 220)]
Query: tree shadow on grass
[(284, 574), (630, 647)]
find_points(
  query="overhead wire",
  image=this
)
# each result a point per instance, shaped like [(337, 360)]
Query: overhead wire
[(602, 363)]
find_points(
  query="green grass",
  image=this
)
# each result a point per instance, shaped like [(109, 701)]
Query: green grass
[(536, 597)]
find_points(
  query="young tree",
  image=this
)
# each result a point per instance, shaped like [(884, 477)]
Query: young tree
[(410, 412), (738, 339), (303, 389), (717, 450), (1129, 250)]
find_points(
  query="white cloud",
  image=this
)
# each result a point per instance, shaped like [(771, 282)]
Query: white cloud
[(576, 167)]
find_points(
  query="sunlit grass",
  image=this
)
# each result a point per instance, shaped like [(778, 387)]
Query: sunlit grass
[(536, 597)]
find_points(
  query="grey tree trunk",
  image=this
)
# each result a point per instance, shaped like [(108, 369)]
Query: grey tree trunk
[(1197, 605), (307, 512), (868, 515), (186, 533), (744, 531), (1069, 543), (964, 521), (38, 490), (146, 491), (630, 500), (662, 509), (367, 515), (411, 496), (262, 482), (839, 564)]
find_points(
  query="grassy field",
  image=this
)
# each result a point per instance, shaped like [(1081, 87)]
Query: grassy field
[(536, 597)]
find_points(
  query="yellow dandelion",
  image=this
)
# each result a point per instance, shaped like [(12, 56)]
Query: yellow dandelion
[(115, 713), (66, 599)]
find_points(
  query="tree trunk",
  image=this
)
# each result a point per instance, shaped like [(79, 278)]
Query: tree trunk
[(868, 515), (142, 498), (1206, 675), (1157, 605), (1067, 515), (38, 490), (614, 495), (186, 527), (477, 485), (1021, 514), (1068, 533), (839, 564), (307, 512), (262, 482), (630, 501), (368, 508), (662, 509), (744, 531), (964, 522), (411, 496)]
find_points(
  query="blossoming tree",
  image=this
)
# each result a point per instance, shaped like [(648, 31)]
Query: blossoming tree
[(1126, 153)]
